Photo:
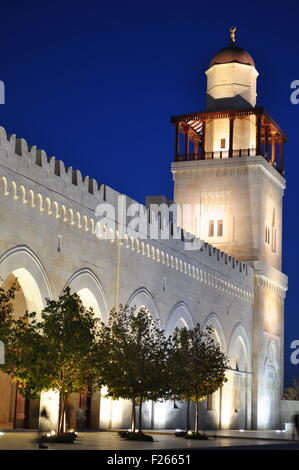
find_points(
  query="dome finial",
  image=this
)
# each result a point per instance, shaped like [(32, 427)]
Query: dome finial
[(232, 30)]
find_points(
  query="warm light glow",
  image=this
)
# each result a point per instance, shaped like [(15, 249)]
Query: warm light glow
[(160, 414), (30, 289), (50, 401), (89, 301), (105, 414), (117, 412)]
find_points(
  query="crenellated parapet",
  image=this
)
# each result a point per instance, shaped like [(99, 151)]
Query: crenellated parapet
[(44, 184), (34, 163)]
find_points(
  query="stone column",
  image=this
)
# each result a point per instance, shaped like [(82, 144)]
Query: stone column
[(231, 136)]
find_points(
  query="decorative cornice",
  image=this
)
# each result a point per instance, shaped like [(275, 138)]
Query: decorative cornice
[(194, 269), (265, 283), (235, 166)]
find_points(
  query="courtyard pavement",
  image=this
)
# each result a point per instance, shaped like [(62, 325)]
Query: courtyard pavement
[(26, 440)]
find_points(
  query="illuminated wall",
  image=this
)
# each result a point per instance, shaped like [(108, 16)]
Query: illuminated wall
[(232, 85)]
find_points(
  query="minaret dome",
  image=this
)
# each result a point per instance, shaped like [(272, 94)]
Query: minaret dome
[(231, 78)]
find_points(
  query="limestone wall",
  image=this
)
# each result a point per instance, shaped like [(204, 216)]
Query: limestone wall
[(50, 238)]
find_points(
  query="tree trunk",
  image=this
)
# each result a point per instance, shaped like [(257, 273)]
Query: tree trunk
[(196, 417), (63, 399), (188, 407), (140, 415), (59, 414), (133, 423)]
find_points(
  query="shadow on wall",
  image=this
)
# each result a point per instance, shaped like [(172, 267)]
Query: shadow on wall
[(232, 102)]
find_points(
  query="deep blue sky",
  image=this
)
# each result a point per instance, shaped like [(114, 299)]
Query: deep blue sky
[(95, 83)]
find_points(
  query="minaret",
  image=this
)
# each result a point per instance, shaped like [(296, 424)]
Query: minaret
[(231, 78), (229, 168)]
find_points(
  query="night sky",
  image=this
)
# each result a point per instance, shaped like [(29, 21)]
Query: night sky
[(95, 83)]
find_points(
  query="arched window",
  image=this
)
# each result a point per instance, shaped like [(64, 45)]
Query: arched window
[(267, 235), (211, 228), (220, 228), (273, 245)]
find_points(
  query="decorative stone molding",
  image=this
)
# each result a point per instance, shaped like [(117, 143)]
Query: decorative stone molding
[(264, 283), (40, 178), (229, 167)]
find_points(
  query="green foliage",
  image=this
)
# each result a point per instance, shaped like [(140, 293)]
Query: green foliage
[(70, 333), (26, 359), (53, 350), (137, 355), (292, 393), (197, 365), (136, 352), (6, 310), (67, 349)]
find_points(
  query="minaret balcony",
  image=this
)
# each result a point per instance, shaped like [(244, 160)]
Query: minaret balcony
[(201, 136)]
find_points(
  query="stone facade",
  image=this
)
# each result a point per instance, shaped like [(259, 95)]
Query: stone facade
[(48, 241), (51, 238)]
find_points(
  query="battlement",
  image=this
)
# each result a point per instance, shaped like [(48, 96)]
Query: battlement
[(73, 198)]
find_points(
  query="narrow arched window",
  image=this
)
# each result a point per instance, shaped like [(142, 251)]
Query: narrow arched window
[(220, 228), (267, 235), (273, 244), (211, 228)]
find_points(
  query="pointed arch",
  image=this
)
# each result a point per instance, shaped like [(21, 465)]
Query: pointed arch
[(28, 269), (142, 298), (179, 316), (87, 285), (213, 321), (239, 344)]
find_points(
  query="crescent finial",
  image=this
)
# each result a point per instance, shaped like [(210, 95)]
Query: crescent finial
[(233, 30)]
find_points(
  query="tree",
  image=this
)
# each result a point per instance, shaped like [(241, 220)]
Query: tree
[(292, 393), (197, 365), (26, 358), (24, 348), (54, 351), (137, 352), (7, 297)]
